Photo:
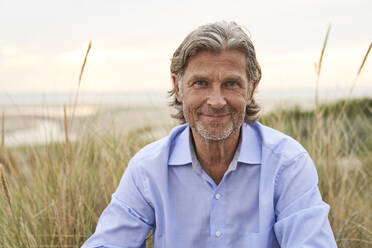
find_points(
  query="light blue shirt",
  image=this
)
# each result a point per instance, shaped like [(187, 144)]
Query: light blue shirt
[(268, 197)]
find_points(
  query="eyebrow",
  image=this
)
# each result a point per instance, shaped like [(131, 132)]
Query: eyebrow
[(203, 77), (197, 77)]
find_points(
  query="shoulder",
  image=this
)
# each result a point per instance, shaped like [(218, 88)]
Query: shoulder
[(286, 161), (158, 151), (276, 143)]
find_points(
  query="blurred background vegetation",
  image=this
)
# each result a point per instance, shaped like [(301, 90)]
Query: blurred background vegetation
[(52, 195)]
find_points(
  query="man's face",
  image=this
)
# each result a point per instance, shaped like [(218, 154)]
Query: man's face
[(214, 93)]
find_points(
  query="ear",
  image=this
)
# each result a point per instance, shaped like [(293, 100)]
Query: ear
[(175, 87), (255, 84)]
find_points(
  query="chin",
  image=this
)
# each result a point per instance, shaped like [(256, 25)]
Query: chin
[(215, 135)]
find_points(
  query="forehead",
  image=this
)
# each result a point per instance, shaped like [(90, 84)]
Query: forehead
[(206, 62)]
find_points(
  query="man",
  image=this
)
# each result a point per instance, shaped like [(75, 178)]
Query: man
[(222, 179)]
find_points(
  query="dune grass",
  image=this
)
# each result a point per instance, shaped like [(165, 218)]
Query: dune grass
[(52, 195)]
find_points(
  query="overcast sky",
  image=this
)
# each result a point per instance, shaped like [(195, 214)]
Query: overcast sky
[(42, 43)]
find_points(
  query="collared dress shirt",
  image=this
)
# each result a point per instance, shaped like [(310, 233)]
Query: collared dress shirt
[(267, 198)]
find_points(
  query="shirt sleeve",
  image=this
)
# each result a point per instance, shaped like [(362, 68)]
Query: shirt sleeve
[(128, 218), (301, 214)]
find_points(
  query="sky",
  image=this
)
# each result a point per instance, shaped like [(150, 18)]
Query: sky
[(43, 43)]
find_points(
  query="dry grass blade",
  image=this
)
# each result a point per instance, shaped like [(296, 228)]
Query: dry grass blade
[(65, 125), (364, 59), (80, 78), (85, 62), (2, 133), (318, 67), (43, 210), (5, 186), (360, 68)]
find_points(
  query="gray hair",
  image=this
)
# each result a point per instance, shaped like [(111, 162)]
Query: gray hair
[(216, 37)]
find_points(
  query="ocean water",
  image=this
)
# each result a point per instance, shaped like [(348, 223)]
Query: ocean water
[(150, 97), (41, 132)]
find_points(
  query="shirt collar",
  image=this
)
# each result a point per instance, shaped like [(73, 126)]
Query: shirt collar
[(180, 153), (250, 147), (250, 151)]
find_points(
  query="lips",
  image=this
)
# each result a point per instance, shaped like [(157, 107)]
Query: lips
[(214, 117)]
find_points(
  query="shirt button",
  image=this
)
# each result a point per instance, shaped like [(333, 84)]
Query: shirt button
[(217, 196), (218, 234)]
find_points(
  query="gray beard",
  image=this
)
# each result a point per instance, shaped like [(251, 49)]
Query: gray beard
[(227, 132)]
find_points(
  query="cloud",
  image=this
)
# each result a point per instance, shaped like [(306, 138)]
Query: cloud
[(104, 55), (13, 57)]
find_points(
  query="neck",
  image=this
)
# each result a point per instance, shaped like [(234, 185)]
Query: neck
[(215, 156)]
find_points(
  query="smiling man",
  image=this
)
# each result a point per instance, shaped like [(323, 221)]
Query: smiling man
[(222, 179)]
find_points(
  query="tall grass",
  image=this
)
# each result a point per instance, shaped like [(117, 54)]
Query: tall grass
[(52, 196)]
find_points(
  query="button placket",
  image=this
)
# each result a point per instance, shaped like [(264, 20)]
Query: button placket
[(218, 217)]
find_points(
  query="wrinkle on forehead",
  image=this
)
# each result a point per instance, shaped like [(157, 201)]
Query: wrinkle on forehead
[(218, 65)]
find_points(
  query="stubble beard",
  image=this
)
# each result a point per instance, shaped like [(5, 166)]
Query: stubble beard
[(216, 131), (218, 135)]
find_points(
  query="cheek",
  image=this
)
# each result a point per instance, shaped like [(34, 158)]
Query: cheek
[(193, 101), (238, 101), (189, 107)]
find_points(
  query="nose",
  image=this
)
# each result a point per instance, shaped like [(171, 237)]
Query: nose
[(216, 99)]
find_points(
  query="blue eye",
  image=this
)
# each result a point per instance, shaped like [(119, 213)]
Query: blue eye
[(231, 84), (200, 83)]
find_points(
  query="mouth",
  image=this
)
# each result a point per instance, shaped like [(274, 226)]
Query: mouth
[(215, 117)]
